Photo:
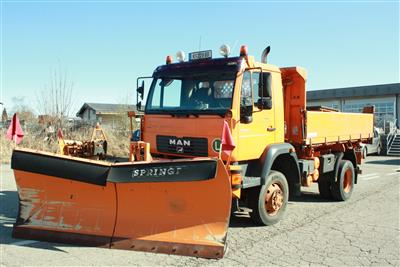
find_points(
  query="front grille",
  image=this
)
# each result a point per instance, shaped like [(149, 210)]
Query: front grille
[(182, 146)]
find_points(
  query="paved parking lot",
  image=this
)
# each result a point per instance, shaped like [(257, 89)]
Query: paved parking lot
[(362, 231)]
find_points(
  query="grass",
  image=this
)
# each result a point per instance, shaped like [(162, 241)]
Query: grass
[(36, 138)]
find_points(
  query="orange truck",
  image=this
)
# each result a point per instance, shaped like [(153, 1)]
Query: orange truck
[(218, 134)]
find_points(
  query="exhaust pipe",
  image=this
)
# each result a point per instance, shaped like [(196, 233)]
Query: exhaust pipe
[(265, 54)]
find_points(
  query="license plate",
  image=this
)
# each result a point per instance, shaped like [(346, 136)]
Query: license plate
[(200, 55)]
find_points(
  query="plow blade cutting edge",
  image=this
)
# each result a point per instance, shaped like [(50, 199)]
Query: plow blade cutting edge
[(177, 207)]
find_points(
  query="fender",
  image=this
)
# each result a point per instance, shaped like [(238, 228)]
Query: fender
[(289, 165), (338, 159)]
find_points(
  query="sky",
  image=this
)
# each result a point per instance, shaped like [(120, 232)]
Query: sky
[(103, 46)]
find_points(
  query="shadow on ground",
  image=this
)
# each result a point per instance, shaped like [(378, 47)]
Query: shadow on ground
[(395, 162), (242, 218), (311, 197)]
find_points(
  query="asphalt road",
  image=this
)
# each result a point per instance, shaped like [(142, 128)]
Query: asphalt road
[(363, 231)]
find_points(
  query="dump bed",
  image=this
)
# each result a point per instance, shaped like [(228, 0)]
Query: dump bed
[(329, 127), (319, 125)]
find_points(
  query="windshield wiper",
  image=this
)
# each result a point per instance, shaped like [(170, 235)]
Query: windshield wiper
[(196, 113), (163, 111), (193, 114), (186, 114)]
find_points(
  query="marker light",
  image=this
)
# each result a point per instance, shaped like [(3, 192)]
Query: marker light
[(243, 51), (168, 60), (225, 50), (180, 55)]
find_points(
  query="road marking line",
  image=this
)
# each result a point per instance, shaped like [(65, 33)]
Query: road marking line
[(24, 242), (370, 178), (390, 174), (368, 175)]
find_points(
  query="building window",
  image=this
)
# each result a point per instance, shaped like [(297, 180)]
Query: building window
[(384, 111), (335, 106)]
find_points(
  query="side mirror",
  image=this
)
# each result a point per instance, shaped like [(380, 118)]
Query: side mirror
[(246, 119), (140, 90), (264, 103), (246, 113), (265, 84)]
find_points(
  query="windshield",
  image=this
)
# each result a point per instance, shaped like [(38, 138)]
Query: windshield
[(203, 94)]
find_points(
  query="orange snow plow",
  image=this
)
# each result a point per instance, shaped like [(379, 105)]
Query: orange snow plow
[(155, 206)]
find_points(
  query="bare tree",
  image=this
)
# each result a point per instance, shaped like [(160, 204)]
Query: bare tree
[(25, 112), (56, 97)]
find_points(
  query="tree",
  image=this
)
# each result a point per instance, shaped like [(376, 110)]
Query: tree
[(4, 116), (56, 97), (25, 112)]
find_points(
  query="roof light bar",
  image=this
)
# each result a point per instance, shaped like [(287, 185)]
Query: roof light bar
[(225, 50), (180, 56)]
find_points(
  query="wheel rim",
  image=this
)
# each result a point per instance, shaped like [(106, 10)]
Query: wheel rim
[(347, 181), (274, 199)]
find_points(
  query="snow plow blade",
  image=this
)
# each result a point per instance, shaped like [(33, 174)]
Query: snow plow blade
[(177, 207)]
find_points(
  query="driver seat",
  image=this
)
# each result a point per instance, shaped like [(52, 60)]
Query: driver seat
[(203, 94)]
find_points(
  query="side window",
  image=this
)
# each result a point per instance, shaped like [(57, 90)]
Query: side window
[(246, 101), (252, 96), (246, 90), (255, 83)]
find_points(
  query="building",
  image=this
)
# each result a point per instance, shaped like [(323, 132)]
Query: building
[(109, 115), (385, 98)]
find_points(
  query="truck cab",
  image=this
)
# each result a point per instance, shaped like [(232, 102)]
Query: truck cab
[(188, 102)]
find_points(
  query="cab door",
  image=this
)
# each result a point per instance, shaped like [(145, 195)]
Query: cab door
[(257, 125)]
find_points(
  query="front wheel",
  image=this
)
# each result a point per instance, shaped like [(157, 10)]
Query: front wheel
[(269, 201)]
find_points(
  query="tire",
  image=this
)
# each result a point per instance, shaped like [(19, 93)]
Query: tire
[(269, 201), (325, 186), (378, 150), (343, 187)]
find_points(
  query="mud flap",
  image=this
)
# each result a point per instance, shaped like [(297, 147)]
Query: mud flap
[(185, 212), (176, 207)]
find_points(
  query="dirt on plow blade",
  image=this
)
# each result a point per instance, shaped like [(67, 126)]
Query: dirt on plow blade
[(177, 207)]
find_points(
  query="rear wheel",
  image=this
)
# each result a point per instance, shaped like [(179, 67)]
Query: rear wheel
[(269, 201), (378, 150), (343, 187)]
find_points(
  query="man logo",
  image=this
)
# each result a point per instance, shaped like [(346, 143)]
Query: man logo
[(179, 142)]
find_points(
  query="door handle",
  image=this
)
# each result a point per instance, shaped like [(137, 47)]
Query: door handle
[(271, 129)]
